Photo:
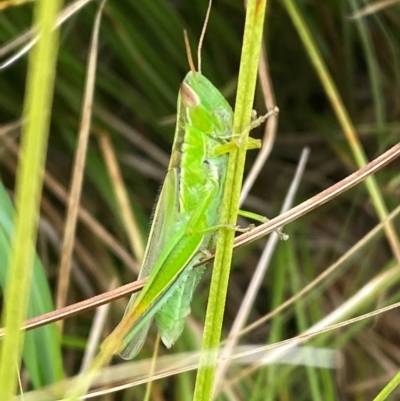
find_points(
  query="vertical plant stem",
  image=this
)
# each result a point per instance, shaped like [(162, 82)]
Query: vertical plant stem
[(36, 119), (219, 283), (388, 389)]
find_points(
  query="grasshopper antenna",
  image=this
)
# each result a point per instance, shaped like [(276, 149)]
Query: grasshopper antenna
[(203, 32), (189, 52)]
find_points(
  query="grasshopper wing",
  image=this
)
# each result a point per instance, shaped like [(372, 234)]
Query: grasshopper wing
[(165, 217)]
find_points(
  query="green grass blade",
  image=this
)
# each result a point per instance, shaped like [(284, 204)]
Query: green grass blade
[(29, 184), (42, 350), (243, 109), (344, 119)]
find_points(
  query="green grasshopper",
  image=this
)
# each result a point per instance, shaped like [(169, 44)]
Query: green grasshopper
[(186, 215), (186, 218)]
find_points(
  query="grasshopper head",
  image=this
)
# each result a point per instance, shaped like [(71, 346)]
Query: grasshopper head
[(204, 105)]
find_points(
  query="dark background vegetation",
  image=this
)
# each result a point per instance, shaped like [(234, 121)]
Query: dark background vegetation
[(141, 63)]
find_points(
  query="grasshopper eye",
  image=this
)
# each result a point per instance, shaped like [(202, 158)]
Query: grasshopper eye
[(189, 97)]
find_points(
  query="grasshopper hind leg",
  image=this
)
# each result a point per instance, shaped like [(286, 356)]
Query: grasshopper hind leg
[(171, 317)]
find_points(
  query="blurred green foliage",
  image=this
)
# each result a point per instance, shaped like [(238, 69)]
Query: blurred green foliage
[(142, 61)]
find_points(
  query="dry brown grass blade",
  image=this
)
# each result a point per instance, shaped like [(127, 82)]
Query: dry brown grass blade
[(30, 36), (321, 198), (126, 375), (12, 3), (83, 306), (266, 228), (133, 136), (85, 216), (271, 124), (79, 168), (327, 324), (373, 8), (96, 331), (323, 276), (122, 197)]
